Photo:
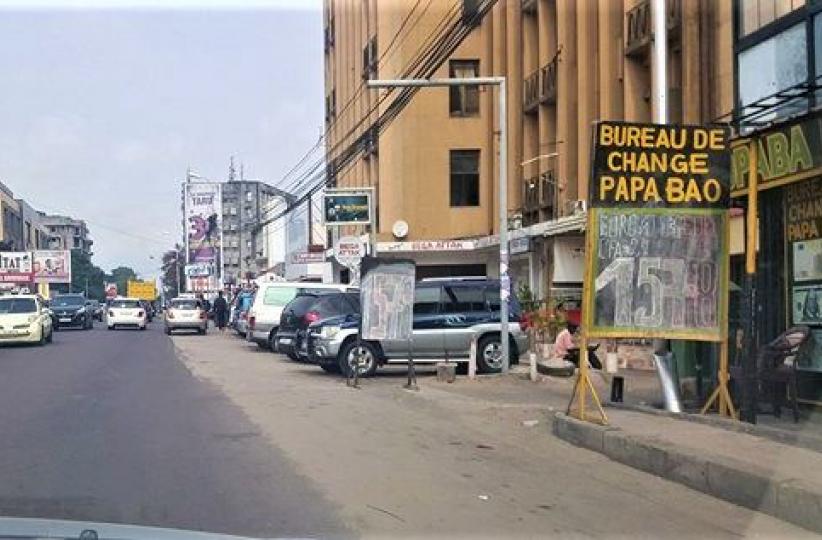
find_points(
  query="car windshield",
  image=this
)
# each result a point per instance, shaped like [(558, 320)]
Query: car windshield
[(126, 304), (185, 304), (68, 301), (17, 305)]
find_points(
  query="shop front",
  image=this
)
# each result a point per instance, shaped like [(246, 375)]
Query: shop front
[(789, 262)]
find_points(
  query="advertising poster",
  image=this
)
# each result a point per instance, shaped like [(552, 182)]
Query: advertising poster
[(658, 243), (346, 208), (52, 266), (16, 267), (111, 290), (203, 212), (387, 298)]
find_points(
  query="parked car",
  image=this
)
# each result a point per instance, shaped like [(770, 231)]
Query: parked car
[(447, 315), (127, 312), (305, 309), (186, 313), (25, 318), (71, 310), (239, 312), (271, 297)]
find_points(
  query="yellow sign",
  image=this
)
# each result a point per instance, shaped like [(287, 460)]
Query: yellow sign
[(144, 290)]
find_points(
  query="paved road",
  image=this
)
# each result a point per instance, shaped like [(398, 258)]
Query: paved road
[(110, 426)]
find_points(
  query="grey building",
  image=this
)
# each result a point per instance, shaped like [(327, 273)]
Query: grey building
[(35, 234), (67, 233), (244, 207)]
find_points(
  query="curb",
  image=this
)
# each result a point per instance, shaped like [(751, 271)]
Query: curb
[(808, 442), (740, 483)]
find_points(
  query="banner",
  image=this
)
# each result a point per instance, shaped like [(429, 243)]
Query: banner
[(203, 213), (52, 266), (387, 298), (144, 290), (199, 269), (111, 290), (657, 240), (15, 267)]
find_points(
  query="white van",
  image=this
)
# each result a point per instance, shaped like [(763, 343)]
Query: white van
[(271, 297)]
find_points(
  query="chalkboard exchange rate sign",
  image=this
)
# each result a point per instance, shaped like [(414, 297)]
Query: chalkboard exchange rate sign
[(657, 250)]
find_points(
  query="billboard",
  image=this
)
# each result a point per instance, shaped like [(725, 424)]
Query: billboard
[(204, 222), (657, 254), (111, 289), (387, 299), (16, 267), (346, 208), (144, 290), (52, 266), (199, 269)]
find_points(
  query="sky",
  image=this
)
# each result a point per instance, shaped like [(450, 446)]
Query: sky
[(105, 105)]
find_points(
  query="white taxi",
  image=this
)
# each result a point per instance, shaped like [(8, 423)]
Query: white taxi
[(126, 312), (24, 318)]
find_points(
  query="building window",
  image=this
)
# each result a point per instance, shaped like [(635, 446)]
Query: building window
[(772, 65), (465, 177), (463, 100)]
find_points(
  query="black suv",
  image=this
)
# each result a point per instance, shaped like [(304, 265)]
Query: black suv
[(72, 310), (307, 308)]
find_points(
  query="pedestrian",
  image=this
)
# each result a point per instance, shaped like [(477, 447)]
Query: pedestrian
[(220, 311)]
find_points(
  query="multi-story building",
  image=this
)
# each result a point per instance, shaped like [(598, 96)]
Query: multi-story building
[(245, 205), (67, 233), (11, 228), (35, 233), (567, 64)]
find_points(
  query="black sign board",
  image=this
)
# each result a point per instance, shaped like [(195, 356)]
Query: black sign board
[(657, 240)]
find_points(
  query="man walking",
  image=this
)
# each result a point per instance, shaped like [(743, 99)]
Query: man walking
[(220, 311)]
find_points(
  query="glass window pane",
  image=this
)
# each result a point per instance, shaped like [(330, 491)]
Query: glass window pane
[(279, 296), (426, 300), (771, 66), (464, 298)]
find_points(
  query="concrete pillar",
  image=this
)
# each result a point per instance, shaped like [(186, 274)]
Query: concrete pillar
[(567, 102), (513, 38), (587, 90)]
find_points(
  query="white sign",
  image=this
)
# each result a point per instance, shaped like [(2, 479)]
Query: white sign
[(52, 266), (349, 250), (307, 257), (199, 269), (15, 266), (429, 245)]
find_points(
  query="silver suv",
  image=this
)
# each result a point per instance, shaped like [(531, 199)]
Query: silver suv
[(448, 314)]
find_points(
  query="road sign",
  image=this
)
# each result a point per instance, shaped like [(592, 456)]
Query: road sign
[(343, 207), (349, 250)]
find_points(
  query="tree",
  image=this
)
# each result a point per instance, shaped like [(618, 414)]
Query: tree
[(121, 276), (85, 276), (172, 267)]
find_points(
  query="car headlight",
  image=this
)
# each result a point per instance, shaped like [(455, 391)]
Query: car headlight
[(328, 332), (81, 311)]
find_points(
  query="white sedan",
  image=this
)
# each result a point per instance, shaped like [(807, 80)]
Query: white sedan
[(126, 312), (24, 319)]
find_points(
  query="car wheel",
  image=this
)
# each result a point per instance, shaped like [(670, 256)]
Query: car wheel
[(168, 331), (358, 352), (293, 356), (50, 337), (142, 328), (42, 340), (489, 354), (111, 327), (201, 331), (271, 345)]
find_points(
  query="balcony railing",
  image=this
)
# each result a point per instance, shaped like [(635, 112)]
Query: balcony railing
[(539, 198), (540, 87), (639, 24)]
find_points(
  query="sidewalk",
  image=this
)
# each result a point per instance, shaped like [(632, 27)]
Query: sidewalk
[(742, 464)]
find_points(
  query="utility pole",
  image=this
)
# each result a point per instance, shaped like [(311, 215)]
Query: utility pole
[(504, 280)]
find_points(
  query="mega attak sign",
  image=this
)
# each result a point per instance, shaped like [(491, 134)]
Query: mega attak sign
[(657, 242)]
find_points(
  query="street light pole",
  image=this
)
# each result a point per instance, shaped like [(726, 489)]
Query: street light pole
[(499, 82)]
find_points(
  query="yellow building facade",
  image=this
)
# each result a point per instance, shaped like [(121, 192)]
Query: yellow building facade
[(567, 63)]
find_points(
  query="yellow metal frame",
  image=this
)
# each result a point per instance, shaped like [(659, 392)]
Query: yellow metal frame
[(721, 394)]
